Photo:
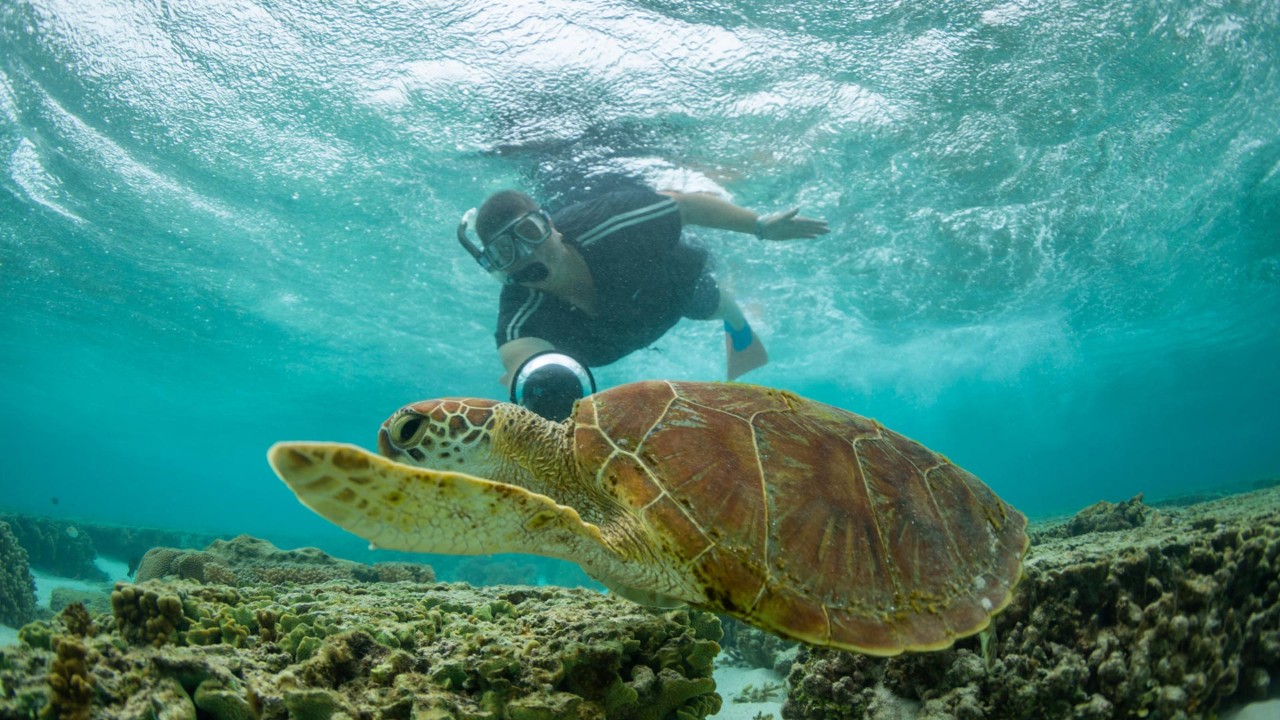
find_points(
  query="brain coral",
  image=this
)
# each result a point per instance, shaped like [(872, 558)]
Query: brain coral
[(1167, 619), (17, 587)]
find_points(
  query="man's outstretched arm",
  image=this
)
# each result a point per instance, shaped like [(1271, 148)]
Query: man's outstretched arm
[(707, 210)]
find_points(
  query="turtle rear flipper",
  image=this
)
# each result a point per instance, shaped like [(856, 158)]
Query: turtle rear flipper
[(399, 507)]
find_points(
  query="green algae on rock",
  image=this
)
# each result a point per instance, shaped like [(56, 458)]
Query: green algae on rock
[(374, 650), (1167, 620)]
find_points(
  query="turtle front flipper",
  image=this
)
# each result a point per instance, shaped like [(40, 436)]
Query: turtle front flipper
[(400, 507)]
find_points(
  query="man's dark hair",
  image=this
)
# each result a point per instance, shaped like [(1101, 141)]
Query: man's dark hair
[(501, 208)]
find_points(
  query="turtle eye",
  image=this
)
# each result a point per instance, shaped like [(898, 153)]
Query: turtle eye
[(406, 430)]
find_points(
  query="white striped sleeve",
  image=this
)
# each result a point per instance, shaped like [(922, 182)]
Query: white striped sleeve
[(666, 206), (526, 309)]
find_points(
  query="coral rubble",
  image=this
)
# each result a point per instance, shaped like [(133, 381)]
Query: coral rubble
[(345, 649), (247, 560), (1159, 619), (17, 586)]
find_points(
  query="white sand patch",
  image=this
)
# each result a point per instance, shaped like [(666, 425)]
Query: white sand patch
[(46, 584), (730, 682)]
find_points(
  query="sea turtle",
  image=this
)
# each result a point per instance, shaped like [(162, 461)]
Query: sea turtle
[(800, 518)]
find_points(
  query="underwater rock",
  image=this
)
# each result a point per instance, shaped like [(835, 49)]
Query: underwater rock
[(59, 547), (248, 560), (1164, 620), (17, 587), (373, 650), (96, 600)]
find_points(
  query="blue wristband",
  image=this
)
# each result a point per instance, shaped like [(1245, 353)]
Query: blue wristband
[(741, 339)]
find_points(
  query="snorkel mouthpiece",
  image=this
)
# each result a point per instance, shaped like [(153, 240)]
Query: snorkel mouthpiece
[(532, 273)]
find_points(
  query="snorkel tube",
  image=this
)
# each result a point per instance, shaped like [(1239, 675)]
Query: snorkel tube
[(468, 221)]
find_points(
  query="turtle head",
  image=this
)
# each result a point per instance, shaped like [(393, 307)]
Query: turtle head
[(497, 441), (446, 434)]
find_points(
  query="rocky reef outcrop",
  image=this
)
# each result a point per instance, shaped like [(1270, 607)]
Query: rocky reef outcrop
[(1124, 612), (17, 587), (247, 560), (181, 650), (59, 547)]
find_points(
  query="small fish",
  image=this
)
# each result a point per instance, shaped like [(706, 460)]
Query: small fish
[(54, 499)]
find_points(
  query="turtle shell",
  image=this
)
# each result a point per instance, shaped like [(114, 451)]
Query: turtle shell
[(803, 518)]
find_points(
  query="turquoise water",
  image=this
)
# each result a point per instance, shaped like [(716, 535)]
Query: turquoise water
[(1055, 253)]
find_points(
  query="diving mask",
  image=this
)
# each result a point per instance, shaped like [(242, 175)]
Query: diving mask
[(511, 242)]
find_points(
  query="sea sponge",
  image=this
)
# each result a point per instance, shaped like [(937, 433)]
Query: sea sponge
[(17, 586)]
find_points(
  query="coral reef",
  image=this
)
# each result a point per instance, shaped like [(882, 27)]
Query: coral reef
[(178, 649), (247, 560), (131, 543), (59, 547), (17, 587), (753, 648), (71, 683), (1167, 620)]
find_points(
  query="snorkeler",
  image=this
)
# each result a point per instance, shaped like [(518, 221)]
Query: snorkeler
[(604, 278)]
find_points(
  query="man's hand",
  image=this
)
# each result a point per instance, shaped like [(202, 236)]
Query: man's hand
[(789, 225)]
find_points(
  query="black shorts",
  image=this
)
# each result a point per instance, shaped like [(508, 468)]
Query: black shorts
[(704, 299)]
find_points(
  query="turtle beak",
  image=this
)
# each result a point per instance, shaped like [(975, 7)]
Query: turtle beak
[(384, 444)]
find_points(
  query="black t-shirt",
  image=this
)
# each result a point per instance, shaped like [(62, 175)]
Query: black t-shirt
[(644, 277)]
